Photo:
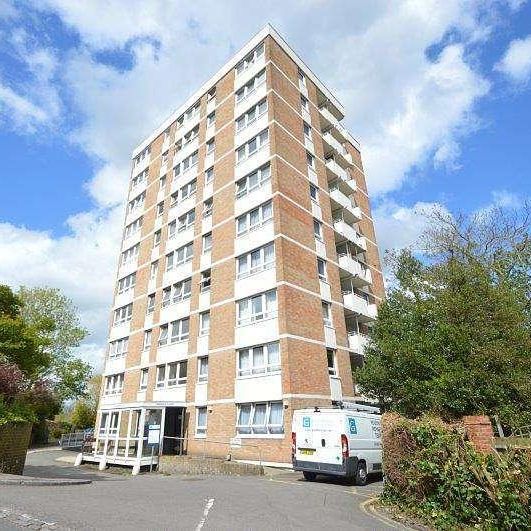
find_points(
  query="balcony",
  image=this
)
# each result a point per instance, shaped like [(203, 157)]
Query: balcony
[(355, 304), (350, 212), (349, 267), (330, 120), (357, 342), (334, 146), (335, 171), (344, 231)]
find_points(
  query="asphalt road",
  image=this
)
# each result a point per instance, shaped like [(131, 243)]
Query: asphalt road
[(282, 500)]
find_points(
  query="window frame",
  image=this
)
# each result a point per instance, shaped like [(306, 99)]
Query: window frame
[(255, 369), (269, 308), (267, 428), (248, 215)]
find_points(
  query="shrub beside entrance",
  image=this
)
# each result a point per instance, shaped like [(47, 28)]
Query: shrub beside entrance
[(433, 472)]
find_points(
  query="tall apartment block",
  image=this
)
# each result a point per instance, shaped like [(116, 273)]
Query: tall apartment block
[(249, 271)]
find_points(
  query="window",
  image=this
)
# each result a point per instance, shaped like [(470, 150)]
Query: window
[(172, 374), (310, 159), (252, 146), (191, 135), (137, 202), (154, 269), (257, 308), (192, 112), (314, 193), (209, 175), (250, 59), (250, 86), (207, 243), (177, 167), (305, 104), (156, 238), (162, 182), (201, 422), (202, 369), (204, 323), (321, 269), (327, 313), (302, 78), (123, 314), (318, 229), (253, 181), (179, 292), (142, 155), (180, 330), (254, 218), (164, 157), (133, 228), (103, 423), (186, 220), (180, 256), (118, 348), (180, 121), (190, 161), (208, 206), (211, 118), (160, 209), (262, 359), (163, 334), (210, 146), (147, 339), (144, 373), (331, 361), (188, 190), (211, 95), (129, 255), (167, 133), (127, 283), (114, 384), (139, 179), (251, 115), (307, 130), (260, 418), (206, 280), (150, 303), (258, 260)]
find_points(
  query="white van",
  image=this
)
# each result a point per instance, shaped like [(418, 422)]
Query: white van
[(337, 442)]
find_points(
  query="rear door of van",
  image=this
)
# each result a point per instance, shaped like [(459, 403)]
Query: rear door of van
[(319, 438)]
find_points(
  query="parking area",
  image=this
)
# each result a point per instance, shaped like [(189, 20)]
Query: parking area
[(280, 500)]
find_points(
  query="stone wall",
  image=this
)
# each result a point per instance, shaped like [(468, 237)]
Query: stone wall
[(14, 441), (190, 465)]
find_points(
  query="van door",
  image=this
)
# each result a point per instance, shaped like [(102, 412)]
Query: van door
[(319, 438)]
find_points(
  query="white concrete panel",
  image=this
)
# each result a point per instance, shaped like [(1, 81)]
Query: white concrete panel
[(258, 388), (330, 337), (252, 99), (256, 283), (107, 400), (179, 273), (208, 190), (204, 300), (324, 289), (121, 330), (320, 248), (249, 72), (180, 239), (206, 224), (251, 130), (202, 344), (174, 394), (122, 299), (128, 268), (175, 311), (173, 352), (256, 333), (316, 210), (201, 389), (114, 365), (205, 260), (253, 162), (253, 199), (255, 238)]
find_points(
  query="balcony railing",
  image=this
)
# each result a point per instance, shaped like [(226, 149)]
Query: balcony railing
[(357, 342), (362, 274), (348, 232), (358, 305)]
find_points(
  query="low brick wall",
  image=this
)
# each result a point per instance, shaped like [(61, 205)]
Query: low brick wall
[(14, 441), (191, 465), (479, 432)]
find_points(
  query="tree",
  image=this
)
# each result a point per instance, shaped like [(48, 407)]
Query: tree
[(453, 335), (55, 317), (85, 409)]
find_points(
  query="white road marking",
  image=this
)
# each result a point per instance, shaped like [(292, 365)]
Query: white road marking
[(208, 506)]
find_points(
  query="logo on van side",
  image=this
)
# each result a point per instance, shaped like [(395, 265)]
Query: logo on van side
[(352, 426), (306, 422)]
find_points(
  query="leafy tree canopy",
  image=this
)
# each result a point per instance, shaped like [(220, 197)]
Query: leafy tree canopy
[(453, 335)]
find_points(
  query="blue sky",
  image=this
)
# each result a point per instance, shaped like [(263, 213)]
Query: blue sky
[(439, 94)]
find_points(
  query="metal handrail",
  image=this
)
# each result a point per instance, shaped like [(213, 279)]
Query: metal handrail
[(522, 431)]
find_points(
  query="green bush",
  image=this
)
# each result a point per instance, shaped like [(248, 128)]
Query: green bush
[(15, 412), (433, 472)]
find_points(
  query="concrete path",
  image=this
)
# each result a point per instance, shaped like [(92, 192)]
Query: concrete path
[(150, 501)]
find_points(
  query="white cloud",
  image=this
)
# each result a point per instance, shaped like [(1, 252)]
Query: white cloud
[(516, 62), (408, 108), (19, 110)]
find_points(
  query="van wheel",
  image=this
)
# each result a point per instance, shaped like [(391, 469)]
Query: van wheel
[(309, 476), (361, 474)]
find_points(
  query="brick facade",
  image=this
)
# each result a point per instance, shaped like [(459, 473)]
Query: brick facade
[(302, 296)]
